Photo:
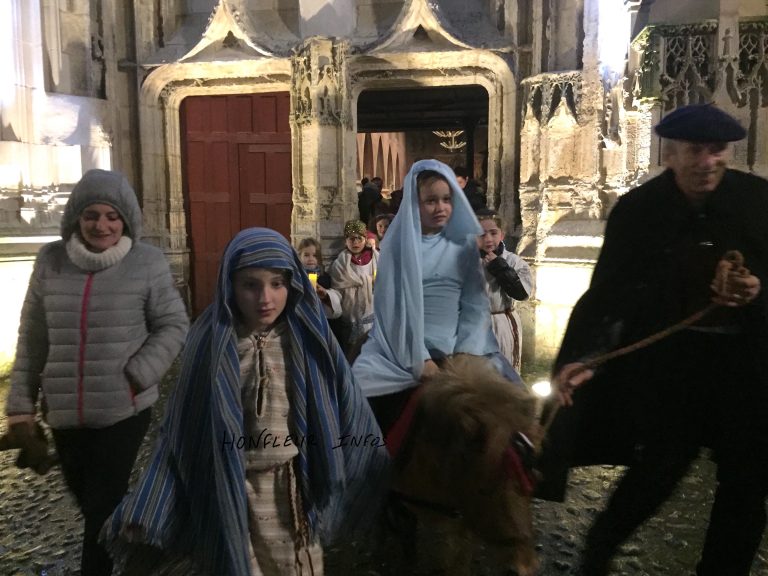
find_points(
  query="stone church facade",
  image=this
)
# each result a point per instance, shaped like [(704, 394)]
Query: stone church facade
[(230, 113)]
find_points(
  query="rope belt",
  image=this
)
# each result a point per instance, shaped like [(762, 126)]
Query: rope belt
[(508, 312)]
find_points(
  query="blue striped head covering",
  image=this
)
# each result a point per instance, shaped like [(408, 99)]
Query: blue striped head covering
[(191, 501)]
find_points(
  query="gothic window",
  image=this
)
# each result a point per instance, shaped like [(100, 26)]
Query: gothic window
[(73, 47)]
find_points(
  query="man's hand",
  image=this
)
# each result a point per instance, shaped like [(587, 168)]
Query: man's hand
[(430, 369), (570, 377), (734, 285)]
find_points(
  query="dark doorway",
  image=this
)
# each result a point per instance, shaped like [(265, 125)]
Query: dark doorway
[(424, 110), (236, 162)]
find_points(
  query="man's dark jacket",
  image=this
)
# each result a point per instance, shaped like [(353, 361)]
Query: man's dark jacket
[(475, 196), (369, 196), (655, 267)]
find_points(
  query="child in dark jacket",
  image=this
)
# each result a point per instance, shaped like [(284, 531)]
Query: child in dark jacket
[(508, 279), (311, 256)]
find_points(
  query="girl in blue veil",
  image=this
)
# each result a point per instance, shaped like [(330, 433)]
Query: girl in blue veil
[(430, 300)]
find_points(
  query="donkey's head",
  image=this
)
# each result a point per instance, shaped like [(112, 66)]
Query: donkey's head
[(470, 450)]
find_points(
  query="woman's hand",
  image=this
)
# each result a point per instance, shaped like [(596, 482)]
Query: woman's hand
[(136, 388), (30, 438)]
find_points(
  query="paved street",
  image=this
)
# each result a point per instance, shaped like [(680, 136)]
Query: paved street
[(40, 528)]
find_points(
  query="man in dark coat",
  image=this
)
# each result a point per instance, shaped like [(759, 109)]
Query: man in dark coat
[(704, 386), (370, 195), (473, 193)]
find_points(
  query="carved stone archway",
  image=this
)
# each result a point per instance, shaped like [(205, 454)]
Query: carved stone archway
[(381, 70), (324, 77), (160, 100)]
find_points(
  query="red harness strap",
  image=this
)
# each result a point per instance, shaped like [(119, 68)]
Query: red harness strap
[(516, 463), (396, 435)]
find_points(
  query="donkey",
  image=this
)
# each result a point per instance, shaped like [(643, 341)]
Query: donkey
[(463, 473)]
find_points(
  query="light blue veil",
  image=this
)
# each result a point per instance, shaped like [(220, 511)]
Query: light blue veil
[(395, 351)]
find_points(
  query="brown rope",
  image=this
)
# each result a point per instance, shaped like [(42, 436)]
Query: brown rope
[(736, 265), (302, 540)]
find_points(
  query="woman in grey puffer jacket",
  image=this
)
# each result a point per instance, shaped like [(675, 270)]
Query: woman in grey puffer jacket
[(101, 324)]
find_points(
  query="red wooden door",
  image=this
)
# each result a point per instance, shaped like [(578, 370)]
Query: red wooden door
[(236, 157)]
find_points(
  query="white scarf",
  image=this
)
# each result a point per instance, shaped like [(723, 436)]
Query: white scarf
[(355, 284), (95, 261)]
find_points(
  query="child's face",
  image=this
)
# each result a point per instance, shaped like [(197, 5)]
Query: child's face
[(308, 256), (381, 227), (490, 237), (355, 243), (435, 205), (260, 296)]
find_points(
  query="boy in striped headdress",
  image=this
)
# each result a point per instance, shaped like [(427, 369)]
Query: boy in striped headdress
[(268, 447)]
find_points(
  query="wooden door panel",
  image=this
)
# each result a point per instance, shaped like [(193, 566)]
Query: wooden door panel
[(265, 186), (266, 115), (195, 115), (267, 198), (208, 172), (241, 114), (219, 107), (279, 217), (237, 174), (210, 231), (279, 171)]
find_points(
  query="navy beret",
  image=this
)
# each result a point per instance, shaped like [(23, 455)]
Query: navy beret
[(700, 123)]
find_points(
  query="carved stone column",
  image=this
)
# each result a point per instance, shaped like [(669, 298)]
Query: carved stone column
[(324, 146)]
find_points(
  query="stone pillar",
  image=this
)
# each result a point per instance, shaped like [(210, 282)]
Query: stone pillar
[(569, 147), (638, 13), (541, 32), (324, 144), (726, 94)]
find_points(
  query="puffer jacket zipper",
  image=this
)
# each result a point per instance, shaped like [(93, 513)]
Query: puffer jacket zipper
[(83, 342)]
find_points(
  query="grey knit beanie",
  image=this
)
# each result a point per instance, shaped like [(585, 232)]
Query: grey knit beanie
[(103, 187)]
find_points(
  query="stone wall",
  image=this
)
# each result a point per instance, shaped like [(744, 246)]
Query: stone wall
[(586, 135), (100, 84)]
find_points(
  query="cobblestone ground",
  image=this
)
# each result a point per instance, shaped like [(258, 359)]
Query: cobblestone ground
[(40, 527)]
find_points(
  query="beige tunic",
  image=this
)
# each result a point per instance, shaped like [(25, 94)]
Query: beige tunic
[(277, 523)]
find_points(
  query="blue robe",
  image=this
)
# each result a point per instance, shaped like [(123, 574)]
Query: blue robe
[(428, 302)]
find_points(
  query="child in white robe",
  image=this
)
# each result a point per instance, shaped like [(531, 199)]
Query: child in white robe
[(352, 274)]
